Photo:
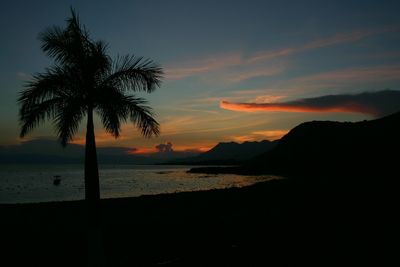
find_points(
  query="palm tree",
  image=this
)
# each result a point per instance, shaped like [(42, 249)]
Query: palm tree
[(85, 80)]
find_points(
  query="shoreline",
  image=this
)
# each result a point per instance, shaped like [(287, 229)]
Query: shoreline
[(23, 185), (274, 222), (145, 196)]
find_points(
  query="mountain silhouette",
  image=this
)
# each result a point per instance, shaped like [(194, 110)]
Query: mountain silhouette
[(362, 150), (230, 153), (326, 147)]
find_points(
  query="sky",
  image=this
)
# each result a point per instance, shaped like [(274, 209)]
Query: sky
[(234, 70)]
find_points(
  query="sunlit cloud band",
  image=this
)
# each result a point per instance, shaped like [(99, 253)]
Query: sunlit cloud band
[(375, 104)]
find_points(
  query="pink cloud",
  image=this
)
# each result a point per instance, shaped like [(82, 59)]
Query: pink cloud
[(374, 73), (265, 55), (347, 37), (340, 38), (191, 68), (257, 72), (182, 70)]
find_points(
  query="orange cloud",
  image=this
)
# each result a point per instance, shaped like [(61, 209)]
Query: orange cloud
[(260, 135), (373, 103), (253, 107), (184, 148), (142, 151), (102, 138), (271, 134), (243, 138), (196, 147)]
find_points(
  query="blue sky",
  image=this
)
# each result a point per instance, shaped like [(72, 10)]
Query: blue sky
[(236, 51)]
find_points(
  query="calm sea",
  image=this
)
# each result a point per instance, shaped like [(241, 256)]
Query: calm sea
[(34, 183)]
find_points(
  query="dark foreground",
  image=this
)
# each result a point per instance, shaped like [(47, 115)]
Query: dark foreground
[(279, 223)]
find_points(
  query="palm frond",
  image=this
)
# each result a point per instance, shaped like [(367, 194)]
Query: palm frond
[(143, 116), (54, 40), (66, 46), (135, 73), (43, 96), (98, 62), (115, 107), (68, 118), (110, 105), (32, 114), (73, 22), (54, 82)]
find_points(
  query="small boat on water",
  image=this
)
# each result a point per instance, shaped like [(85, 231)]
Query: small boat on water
[(56, 180)]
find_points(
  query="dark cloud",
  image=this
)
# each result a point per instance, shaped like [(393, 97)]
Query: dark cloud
[(50, 151), (374, 103), (43, 146), (164, 148)]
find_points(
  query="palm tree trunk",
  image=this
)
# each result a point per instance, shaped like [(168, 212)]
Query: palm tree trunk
[(95, 252), (92, 187)]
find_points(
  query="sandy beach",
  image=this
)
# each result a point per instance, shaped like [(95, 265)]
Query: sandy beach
[(282, 223)]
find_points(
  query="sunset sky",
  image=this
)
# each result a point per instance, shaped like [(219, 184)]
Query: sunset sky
[(234, 70)]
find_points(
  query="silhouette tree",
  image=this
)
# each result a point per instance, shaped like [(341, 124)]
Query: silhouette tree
[(84, 80)]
